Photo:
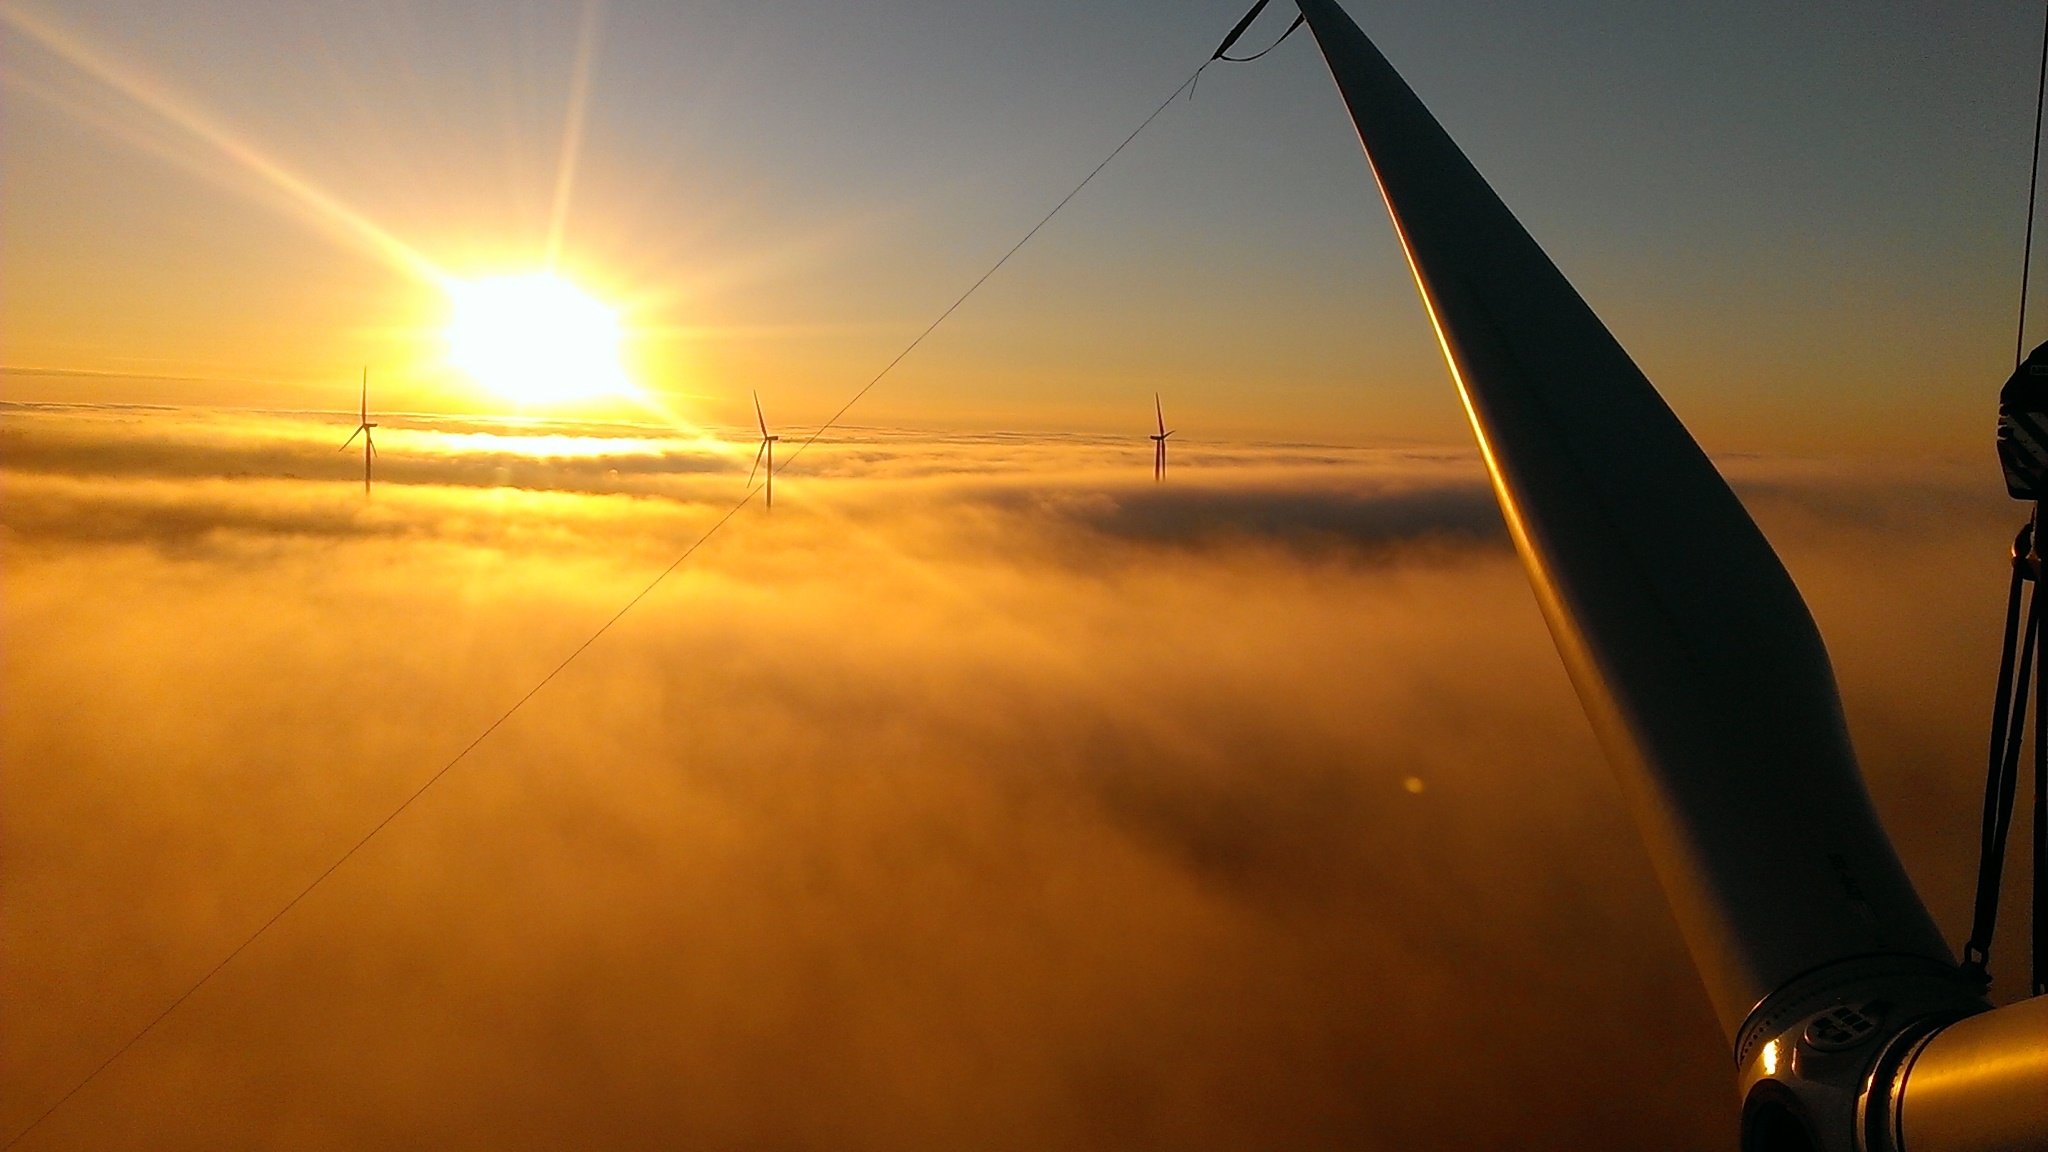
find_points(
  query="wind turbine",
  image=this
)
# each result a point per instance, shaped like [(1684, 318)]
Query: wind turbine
[(767, 449), (1706, 680), (1159, 441), (363, 426)]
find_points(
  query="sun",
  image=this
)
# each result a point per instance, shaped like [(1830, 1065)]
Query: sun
[(536, 338)]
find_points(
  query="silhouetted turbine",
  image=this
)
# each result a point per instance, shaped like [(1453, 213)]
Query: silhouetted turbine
[(1159, 441), (767, 448), (363, 426)]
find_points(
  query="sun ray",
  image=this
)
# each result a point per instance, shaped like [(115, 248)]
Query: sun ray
[(572, 129), (323, 206), (334, 217)]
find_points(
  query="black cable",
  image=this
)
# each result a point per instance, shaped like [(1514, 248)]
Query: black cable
[(993, 268), (394, 814), (2040, 909), (602, 629), (2008, 737), (1238, 29), (2009, 776), (2001, 782), (1298, 22), (2019, 340)]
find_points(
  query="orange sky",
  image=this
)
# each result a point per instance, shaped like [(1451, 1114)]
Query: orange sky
[(237, 204)]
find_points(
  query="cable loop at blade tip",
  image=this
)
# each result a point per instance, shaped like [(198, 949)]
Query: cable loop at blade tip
[(1243, 26), (1238, 32), (1298, 22)]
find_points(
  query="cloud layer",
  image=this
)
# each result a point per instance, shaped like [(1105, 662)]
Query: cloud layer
[(984, 794)]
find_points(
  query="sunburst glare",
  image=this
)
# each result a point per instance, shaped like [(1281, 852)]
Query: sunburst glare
[(536, 338)]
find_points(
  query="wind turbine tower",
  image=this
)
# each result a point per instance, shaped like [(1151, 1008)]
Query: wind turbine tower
[(363, 426), (1159, 441), (766, 449)]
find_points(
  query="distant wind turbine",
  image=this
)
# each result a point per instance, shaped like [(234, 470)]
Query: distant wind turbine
[(767, 449), (1159, 441), (363, 426)]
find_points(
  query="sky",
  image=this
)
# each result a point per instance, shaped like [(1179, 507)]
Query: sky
[(986, 792), (1805, 223)]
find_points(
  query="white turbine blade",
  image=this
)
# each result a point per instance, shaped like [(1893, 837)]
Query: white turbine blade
[(759, 418), (1159, 412), (1704, 672), (757, 463), (360, 429)]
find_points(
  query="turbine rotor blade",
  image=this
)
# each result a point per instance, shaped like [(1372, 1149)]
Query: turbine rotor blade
[(351, 438), (1688, 642), (757, 462), (759, 418)]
